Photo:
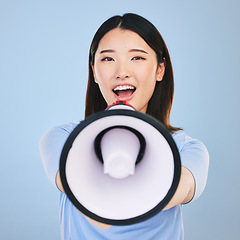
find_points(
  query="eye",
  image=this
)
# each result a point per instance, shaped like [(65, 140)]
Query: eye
[(138, 58), (107, 59)]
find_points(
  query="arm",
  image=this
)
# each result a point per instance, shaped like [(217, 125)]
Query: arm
[(195, 163), (50, 148), (185, 190)]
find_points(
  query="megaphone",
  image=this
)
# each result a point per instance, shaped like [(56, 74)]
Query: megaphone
[(120, 166)]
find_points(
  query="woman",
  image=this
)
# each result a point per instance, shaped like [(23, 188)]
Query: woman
[(129, 61)]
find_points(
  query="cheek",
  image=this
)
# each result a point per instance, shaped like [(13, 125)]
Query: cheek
[(102, 74), (147, 74)]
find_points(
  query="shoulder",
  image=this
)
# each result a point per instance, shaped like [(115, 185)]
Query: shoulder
[(68, 128), (184, 142), (54, 139), (57, 132)]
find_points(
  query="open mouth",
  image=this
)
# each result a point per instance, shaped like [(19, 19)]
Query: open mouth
[(124, 91)]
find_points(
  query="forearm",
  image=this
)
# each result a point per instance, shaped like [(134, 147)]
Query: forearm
[(185, 189), (59, 182)]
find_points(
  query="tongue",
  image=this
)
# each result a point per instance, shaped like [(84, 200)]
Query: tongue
[(125, 93)]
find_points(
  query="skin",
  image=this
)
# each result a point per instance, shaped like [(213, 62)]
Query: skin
[(123, 58)]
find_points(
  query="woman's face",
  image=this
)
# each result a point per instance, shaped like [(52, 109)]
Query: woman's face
[(126, 69)]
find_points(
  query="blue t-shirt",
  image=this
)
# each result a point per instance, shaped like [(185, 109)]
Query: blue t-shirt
[(165, 225)]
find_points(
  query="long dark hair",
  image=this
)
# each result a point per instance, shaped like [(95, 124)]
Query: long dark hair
[(160, 104)]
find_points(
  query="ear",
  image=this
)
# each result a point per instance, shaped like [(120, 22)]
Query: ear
[(94, 75), (161, 70)]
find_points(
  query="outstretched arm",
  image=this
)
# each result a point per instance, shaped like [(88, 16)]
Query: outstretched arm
[(185, 190)]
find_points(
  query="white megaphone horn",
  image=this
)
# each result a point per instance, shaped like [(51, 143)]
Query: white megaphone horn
[(120, 166)]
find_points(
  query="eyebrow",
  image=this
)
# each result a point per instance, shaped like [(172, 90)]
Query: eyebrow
[(107, 51), (131, 50), (138, 50)]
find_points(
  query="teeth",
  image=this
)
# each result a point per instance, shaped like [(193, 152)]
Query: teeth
[(125, 87)]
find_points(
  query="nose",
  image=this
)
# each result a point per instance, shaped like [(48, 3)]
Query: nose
[(122, 76), (123, 71)]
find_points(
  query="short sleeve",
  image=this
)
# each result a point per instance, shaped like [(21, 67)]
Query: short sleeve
[(194, 156), (50, 148)]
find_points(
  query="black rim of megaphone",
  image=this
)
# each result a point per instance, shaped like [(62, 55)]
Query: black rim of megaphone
[(150, 120)]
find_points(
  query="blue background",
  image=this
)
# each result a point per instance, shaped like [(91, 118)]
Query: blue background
[(43, 75)]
